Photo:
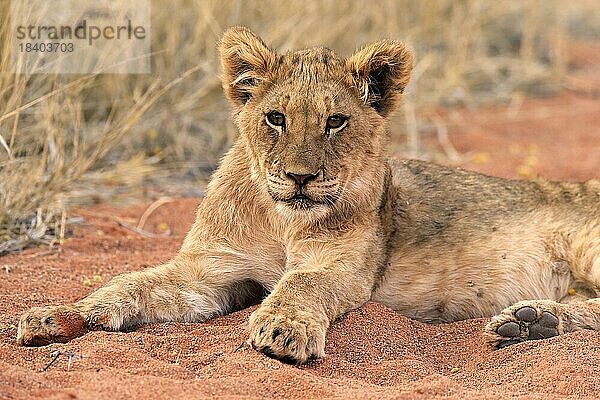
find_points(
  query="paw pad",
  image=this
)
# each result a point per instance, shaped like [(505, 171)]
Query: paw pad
[(526, 314), (528, 325)]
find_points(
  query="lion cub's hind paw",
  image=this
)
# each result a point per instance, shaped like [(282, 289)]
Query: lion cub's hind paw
[(523, 321)]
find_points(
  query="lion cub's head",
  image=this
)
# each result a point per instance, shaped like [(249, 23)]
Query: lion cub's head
[(314, 123)]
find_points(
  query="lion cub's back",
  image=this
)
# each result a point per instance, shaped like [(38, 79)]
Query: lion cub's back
[(429, 199)]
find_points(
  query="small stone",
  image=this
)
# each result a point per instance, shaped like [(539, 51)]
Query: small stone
[(481, 158), (524, 171)]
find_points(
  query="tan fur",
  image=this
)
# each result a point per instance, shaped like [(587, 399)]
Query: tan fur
[(435, 243)]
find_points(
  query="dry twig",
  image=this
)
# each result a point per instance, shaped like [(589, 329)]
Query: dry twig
[(139, 231), (56, 356), (151, 208)]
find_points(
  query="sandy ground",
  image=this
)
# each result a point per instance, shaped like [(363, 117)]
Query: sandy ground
[(372, 352)]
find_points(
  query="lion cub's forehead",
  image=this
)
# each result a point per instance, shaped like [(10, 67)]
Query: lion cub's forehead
[(311, 79), (318, 104), (312, 66)]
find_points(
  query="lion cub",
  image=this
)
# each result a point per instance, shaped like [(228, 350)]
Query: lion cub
[(307, 208)]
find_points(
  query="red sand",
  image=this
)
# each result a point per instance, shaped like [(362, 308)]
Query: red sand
[(372, 352)]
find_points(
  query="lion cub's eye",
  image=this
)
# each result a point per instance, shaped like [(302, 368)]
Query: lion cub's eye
[(275, 119), (336, 123)]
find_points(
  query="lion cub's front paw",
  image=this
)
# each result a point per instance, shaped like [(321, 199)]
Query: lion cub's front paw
[(292, 337), (44, 325), (526, 320)]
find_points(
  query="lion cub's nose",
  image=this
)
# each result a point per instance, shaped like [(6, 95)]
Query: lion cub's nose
[(302, 179)]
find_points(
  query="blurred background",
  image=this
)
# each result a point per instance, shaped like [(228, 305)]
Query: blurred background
[(509, 88)]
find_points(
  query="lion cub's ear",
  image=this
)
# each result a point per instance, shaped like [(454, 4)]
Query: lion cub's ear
[(246, 62), (381, 72)]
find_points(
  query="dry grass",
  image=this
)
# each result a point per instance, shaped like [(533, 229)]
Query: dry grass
[(64, 138)]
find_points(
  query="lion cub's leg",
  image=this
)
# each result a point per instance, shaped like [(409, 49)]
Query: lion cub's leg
[(540, 319), (181, 290), (324, 281)]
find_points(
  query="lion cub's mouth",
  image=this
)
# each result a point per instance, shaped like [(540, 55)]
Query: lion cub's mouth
[(301, 198), (300, 201)]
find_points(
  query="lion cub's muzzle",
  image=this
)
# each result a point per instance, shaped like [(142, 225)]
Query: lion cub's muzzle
[(302, 190)]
